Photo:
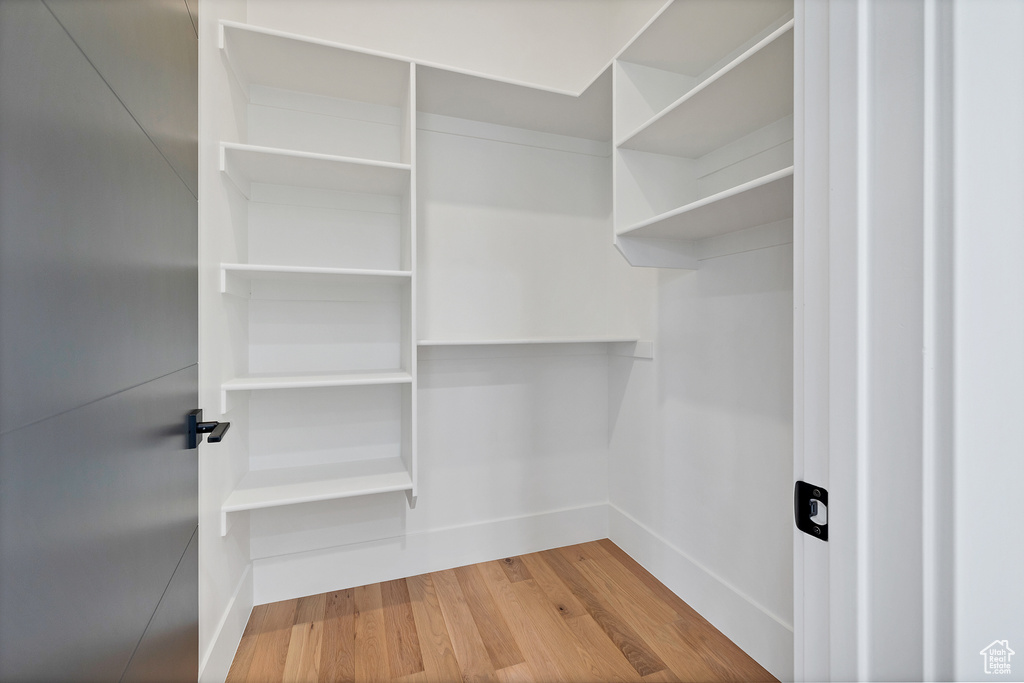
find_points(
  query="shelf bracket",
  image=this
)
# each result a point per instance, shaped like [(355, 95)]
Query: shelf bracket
[(657, 252), (632, 349)]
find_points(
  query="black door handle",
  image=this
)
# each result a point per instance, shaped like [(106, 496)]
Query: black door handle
[(196, 428)]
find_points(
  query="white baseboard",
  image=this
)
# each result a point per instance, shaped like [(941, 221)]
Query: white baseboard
[(216, 661), (758, 632), (320, 571)]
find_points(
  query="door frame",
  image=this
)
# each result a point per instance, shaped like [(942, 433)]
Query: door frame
[(873, 285)]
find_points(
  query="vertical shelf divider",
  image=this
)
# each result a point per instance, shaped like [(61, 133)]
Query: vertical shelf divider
[(410, 420)]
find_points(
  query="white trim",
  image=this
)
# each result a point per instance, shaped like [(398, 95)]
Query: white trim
[(295, 575), (763, 635), (937, 439), (533, 340), (216, 661), (800, 47), (860, 288), (811, 278)]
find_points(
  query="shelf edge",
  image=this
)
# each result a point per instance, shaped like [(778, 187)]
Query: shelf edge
[(299, 154), (538, 340), (311, 270)]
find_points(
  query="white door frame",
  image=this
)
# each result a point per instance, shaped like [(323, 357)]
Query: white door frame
[(873, 337)]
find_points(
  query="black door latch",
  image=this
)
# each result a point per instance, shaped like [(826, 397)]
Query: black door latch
[(810, 506), (196, 428)]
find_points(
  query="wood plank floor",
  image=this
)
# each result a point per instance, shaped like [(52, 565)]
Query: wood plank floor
[(580, 613)]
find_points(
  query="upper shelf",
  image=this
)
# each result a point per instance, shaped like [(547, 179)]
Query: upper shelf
[(748, 93), (247, 164), (262, 56), (478, 98), (767, 199), (690, 37)]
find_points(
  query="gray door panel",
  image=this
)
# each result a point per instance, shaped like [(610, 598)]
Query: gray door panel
[(98, 277), (98, 343), (157, 84), (167, 651), (97, 506)]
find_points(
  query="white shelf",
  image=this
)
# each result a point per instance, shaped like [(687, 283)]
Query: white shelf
[(689, 37), (479, 98), (247, 164), (261, 56), (631, 347), (308, 380), (535, 340), (259, 382), (311, 275), (289, 486), (767, 199), (750, 92)]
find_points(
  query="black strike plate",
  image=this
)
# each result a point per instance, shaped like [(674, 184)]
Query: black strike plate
[(810, 506)]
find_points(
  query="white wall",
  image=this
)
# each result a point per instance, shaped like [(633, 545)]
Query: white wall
[(988, 468), (513, 459), (702, 445), (560, 45), (514, 243)]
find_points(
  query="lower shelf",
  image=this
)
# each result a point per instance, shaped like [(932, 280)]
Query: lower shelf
[(288, 486)]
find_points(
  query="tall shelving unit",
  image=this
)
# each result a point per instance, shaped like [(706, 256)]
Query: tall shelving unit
[(325, 286), (703, 131)]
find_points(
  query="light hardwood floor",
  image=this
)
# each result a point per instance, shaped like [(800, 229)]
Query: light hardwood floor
[(580, 613)]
